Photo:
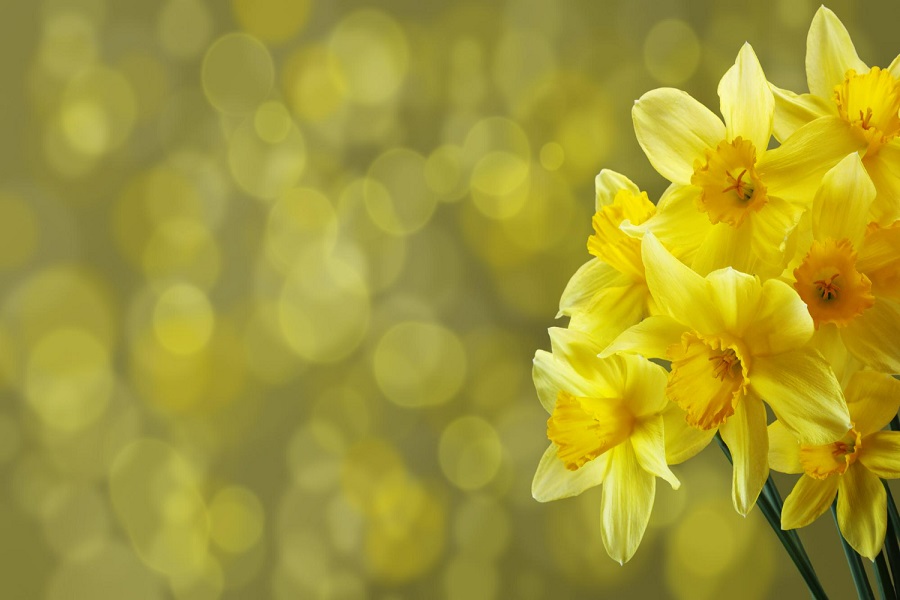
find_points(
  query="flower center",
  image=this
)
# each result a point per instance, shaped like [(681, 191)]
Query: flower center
[(821, 461), (708, 376), (731, 188), (830, 285), (585, 428), (870, 103), (615, 247)]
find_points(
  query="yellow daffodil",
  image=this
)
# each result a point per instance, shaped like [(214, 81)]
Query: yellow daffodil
[(849, 275), (734, 342), (726, 200), (850, 107), (849, 468), (606, 426), (608, 293)]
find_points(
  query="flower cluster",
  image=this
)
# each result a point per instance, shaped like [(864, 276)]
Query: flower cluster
[(767, 274)]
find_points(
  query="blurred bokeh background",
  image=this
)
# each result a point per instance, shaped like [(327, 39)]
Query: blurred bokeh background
[(273, 272)]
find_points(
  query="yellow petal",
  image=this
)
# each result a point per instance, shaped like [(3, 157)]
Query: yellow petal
[(894, 68), (827, 340), (682, 440), (607, 184), (771, 228), (625, 504), (585, 428), (829, 53), (793, 111), (677, 290), (553, 481), (784, 449), (880, 453), (803, 393), (592, 277), (873, 399), (745, 435), (874, 336), (781, 324), (675, 130), (648, 440), (794, 170), (611, 311), (550, 375), (650, 338), (724, 246), (841, 206), (642, 384), (737, 295), (808, 500), (577, 349), (746, 100), (884, 169), (862, 510), (677, 222)]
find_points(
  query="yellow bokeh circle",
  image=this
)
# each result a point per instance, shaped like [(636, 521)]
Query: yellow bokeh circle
[(470, 452), (183, 319), (419, 364), (262, 167), (236, 518), (398, 197), (273, 21), (671, 51), (237, 73)]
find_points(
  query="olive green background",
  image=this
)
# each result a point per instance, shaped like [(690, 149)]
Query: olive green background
[(272, 274)]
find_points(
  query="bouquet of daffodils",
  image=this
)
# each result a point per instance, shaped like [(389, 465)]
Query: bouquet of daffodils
[(760, 277)]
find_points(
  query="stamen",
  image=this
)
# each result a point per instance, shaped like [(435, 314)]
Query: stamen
[(726, 361), (865, 118), (826, 288), (739, 185)]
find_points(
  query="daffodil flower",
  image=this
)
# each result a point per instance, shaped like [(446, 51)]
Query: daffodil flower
[(849, 468), (606, 426), (726, 198), (850, 108), (734, 342), (849, 276)]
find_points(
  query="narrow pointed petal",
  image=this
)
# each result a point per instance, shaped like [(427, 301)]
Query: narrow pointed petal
[(874, 336), (575, 348), (553, 481), (746, 100), (794, 170), (746, 437), (682, 440), (678, 224), (782, 322), (862, 510), (803, 393), (841, 207), (678, 291), (793, 111), (880, 454), (612, 311), (608, 183), (873, 399), (829, 53), (895, 67), (550, 375), (592, 277), (650, 338), (675, 130), (643, 384), (808, 500), (648, 440), (725, 246), (626, 503), (784, 450), (884, 169), (737, 295)]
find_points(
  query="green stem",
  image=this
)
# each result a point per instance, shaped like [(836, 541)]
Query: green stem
[(857, 570), (883, 578), (891, 546), (895, 423), (769, 504)]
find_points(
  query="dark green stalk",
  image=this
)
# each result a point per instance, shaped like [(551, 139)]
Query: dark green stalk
[(883, 578), (769, 504), (895, 423), (857, 570), (891, 546)]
